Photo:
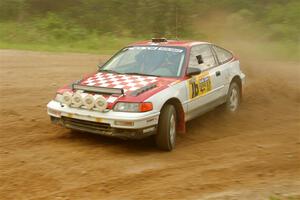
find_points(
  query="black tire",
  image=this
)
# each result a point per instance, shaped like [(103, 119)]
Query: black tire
[(233, 98), (166, 133)]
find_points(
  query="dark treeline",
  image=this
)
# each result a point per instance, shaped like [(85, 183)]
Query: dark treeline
[(148, 17)]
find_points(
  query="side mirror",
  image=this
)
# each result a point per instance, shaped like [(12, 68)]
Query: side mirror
[(191, 71), (199, 59)]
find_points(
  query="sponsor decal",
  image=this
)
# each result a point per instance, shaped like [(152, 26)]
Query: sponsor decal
[(199, 85)]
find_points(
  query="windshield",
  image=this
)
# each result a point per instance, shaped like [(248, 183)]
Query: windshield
[(147, 60)]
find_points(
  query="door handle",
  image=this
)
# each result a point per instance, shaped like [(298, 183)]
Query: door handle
[(218, 73)]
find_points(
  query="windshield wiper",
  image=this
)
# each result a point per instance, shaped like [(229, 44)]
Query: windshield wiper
[(140, 74), (109, 71)]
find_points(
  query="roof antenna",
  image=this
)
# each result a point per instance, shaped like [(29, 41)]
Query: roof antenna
[(176, 23)]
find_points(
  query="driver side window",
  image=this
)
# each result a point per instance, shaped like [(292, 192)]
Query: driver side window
[(202, 57)]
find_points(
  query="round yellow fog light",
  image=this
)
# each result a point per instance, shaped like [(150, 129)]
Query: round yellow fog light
[(76, 100), (89, 101), (67, 98), (100, 103)]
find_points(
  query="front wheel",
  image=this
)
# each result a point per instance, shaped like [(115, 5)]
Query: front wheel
[(233, 97), (166, 134)]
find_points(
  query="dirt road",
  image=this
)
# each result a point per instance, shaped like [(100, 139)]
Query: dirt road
[(252, 155)]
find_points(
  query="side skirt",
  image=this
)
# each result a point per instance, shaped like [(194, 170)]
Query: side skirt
[(204, 108)]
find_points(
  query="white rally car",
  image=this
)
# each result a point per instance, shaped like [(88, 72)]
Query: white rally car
[(151, 88)]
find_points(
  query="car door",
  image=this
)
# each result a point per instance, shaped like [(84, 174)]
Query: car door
[(206, 88)]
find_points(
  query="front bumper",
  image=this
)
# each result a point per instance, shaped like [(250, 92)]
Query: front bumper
[(111, 123)]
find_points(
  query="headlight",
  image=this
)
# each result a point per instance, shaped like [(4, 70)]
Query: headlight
[(133, 107)]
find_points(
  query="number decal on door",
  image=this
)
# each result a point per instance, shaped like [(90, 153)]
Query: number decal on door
[(199, 85)]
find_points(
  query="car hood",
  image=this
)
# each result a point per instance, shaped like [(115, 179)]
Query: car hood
[(136, 88)]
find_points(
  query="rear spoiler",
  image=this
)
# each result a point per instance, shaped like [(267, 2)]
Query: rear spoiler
[(99, 90)]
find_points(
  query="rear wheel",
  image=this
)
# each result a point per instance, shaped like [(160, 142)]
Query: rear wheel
[(233, 97), (166, 134)]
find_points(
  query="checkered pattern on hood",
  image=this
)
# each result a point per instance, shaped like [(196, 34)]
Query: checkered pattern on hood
[(129, 83)]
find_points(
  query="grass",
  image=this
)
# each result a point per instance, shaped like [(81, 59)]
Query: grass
[(40, 38), (101, 45)]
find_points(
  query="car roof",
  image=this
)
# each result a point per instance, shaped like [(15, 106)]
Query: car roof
[(177, 43)]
